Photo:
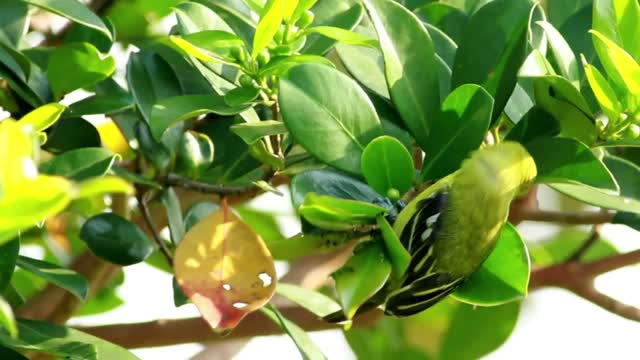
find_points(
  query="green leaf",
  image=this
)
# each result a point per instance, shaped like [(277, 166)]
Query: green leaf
[(268, 26), (627, 175), (492, 49), (387, 165), (105, 300), (8, 258), (537, 123), (14, 17), (328, 114), (103, 185), (562, 53), (345, 14), (101, 104), (568, 160), (244, 95), (319, 304), (116, 239), (410, 71), (43, 117), (331, 183), (197, 212), (398, 255), (445, 47), (280, 65), (303, 5), (620, 66), (364, 274), (619, 20), (504, 275), (7, 320), (71, 133), (305, 345), (253, 132), (488, 327), (62, 277), (77, 65), (344, 36), (171, 203), (459, 129), (74, 11), (80, 164), (64, 342), (330, 213), (134, 177), (170, 111), (605, 95), (598, 197), (445, 17)]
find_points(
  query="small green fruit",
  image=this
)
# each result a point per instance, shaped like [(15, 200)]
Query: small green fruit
[(306, 19), (263, 58), (246, 80), (393, 194), (238, 53), (632, 132)]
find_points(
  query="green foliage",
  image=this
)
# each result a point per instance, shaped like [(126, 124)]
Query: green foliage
[(359, 106)]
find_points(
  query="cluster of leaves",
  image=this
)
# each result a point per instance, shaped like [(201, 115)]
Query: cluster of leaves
[(341, 96)]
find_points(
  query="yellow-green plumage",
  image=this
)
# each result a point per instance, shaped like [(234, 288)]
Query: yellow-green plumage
[(472, 206)]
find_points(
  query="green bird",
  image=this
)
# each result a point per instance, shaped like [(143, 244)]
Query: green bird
[(451, 228)]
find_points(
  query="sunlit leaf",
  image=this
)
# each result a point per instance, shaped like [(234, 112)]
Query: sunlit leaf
[(225, 268)]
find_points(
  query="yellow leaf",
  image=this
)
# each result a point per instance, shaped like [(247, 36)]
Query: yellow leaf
[(225, 268)]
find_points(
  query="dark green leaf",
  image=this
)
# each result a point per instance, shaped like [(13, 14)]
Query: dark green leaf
[(14, 16), (197, 212), (115, 239), (101, 104), (537, 123), (362, 276), (410, 71), (328, 114), (80, 164), (263, 223), (81, 33), (504, 275), (74, 11), (492, 49), (179, 298), (170, 111), (326, 182), (62, 277), (8, 258), (8, 354), (77, 65), (387, 165), (171, 203), (445, 17), (64, 342), (459, 129), (398, 255), (330, 213), (316, 302), (627, 175), (568, 160), (253, 132), (488, 327), (7, 320), (242, 96), (72, 133)]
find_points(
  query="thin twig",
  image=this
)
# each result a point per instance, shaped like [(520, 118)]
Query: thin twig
[(152, 227), (568, 218), (218, 189), (586, 245)]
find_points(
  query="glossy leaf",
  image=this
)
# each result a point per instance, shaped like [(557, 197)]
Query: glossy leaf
[(459, 129), (398, 255), (314, 301), (598, 197), (387, 165), (330, 213), (345, 14), (305, 345), (116, 239), (331, 183), (253, 132), (567, 160), (64, 342), (242, 96), (62, 277), (77, 65), (80, 164), (344, 36), (537, 123), (489, 327), (620, 66), (14, 17), (195, 154), (605, 95), (225, 268), (43, 117), (101, 104), (171, 203), (410, 71), (170, 111), (627, 175), (8, 258), (492, 49), (445, 17), (282, 64), (366, 272), (503, 276), (328, 114), (619, 20), (74, 11), (272, 17), (7, 320), (71, 133)]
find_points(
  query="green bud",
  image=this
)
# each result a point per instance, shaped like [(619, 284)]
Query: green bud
[(279, 36), (246, 80), (297, 45), (306, 19), (281, 50), (263, 58), (393, 194), (238, 53), (632, 132)]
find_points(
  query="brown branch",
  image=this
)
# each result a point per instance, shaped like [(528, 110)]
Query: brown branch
[(606, 302), (181, 331), (146, 215), (568, 218), (218, 189)]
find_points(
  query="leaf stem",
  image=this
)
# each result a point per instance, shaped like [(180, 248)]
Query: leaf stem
[(142, 203)]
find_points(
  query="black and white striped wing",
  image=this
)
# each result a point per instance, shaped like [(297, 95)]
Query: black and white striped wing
[(420, 294)]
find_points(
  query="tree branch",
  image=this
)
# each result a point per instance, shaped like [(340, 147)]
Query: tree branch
[(181, 331), (218, 189), (568, 218), (146, 215)]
